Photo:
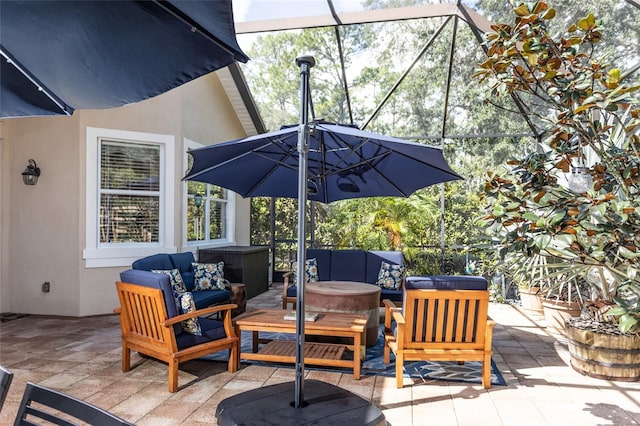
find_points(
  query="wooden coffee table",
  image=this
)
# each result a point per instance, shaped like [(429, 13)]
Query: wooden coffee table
[(351, 325)]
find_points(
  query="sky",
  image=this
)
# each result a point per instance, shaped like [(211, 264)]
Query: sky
[(251, 10)]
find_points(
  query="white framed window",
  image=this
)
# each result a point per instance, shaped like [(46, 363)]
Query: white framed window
[(209, 210), (129, 211)]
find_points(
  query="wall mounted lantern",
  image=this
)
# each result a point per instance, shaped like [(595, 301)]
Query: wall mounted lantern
[(31, 173), (197, 200)]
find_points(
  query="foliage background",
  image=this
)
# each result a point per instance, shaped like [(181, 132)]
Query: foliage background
[(476, 135)]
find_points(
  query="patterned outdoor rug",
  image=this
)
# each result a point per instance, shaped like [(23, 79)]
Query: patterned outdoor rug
[(470, 372)]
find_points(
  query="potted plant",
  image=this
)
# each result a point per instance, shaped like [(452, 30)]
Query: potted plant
[(575, 200), (526, 273)]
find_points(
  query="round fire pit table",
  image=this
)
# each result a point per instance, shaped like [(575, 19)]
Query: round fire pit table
[(346, 296)]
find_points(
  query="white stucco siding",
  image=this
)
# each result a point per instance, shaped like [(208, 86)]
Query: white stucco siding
[(43, 227)]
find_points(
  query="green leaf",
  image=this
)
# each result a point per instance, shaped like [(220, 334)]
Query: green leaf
[(556, 218), (565, 239), (512, 206), (627, 323), (587, 224), (542, 241), (618, 310), (626, 253)]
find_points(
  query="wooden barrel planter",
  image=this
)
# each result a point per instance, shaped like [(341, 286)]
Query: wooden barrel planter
[(604, 356), (557, 312), (531, 299)]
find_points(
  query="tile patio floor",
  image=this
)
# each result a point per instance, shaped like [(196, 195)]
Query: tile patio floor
[(81, 357)]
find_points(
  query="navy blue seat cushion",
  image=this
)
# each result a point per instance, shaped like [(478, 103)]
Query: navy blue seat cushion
[(349, 265), (160, 261), (393, 295), (375, 259), (447, 282), (323, 261), (153, 280), (353, 265), (205, 298), (211, 330), (292, 291), (182, 262)]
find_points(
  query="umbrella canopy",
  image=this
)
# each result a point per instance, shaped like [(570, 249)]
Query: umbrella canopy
[(343, 162), (58, 56)]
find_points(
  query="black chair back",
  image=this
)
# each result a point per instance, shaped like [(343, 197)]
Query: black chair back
[(5, 380), (51, 403)]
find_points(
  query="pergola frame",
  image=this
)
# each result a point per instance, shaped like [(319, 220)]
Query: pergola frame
[(454, 12)]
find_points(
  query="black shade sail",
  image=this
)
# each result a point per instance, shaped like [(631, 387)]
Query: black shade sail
[(59, 56)]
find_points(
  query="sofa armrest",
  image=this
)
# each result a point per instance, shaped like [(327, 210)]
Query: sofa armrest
[(389, 309), (228, 326), (285, 279)]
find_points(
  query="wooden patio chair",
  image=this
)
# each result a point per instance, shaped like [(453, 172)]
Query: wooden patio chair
[(151, 326), (52, 407), (440, 323)]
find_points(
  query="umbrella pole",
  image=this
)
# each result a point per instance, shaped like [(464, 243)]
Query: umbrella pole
[(305, 63)]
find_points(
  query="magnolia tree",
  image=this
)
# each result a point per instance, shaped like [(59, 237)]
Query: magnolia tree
[(575, 200)]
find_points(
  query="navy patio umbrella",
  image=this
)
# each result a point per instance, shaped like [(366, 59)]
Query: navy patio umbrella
[(58, 56), (322, 162), (343, 162)]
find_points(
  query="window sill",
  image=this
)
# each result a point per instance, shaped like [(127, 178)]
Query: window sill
[(121, 256)]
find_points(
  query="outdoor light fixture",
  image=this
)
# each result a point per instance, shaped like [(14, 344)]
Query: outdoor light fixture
[(197, 200), (347, 184), (31, 173), (312, 186), (580, 179)]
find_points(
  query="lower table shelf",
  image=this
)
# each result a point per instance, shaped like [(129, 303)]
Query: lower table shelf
[(287, 349)]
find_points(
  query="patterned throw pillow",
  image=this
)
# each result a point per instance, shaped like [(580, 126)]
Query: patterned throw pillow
[(185, 304), (174, 277), (310, 271), (208, 276), (390, 276)]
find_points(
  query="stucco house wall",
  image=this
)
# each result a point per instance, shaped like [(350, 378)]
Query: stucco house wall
[(43, 232)]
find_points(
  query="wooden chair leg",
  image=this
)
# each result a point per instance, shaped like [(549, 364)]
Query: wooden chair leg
[(399, 370), (173, 375), (386, 354), (486, 372), (126, 358), (233, 359)]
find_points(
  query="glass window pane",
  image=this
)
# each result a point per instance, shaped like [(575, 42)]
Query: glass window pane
[(129, 166), (217, 192), (217, 221), (195, 221), (127, 218), (196, 188)]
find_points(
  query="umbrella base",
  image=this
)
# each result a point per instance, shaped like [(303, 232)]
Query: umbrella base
[(272, 405)]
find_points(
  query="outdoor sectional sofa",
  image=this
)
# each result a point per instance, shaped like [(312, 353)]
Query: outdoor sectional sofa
[(348, 265), (183, 262)]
